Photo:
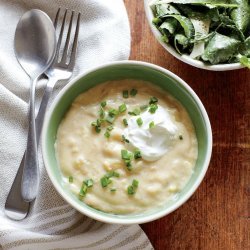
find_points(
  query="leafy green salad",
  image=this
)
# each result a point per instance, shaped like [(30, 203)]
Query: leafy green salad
[(212, 31)]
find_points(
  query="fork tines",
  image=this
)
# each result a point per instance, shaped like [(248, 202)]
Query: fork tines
[(68, 56)]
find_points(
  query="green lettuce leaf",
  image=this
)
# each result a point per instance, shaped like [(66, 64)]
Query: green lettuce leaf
[(220, 49), (241, 15)]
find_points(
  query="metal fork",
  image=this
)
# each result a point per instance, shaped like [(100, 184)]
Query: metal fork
[(15, 207)]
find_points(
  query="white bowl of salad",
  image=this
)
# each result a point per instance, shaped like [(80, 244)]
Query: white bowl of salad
[(208, 34)]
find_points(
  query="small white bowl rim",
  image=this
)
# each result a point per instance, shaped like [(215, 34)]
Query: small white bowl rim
[(185, 58), (150, 217)]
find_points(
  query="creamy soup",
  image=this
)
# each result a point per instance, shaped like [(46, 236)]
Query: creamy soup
[(126, 147)]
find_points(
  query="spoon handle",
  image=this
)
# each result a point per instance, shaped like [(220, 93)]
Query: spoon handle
[(30, 179)]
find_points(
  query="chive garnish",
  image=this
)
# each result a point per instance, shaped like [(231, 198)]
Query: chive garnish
[(133, 92), (132, 188), (139, 121), (110, 119), (135, 112), (127, 157), (135, 183), (97, 125), (125, 122), (113, 112), (99, 122), (153, 100), (97, 129), (125, 93), (89, 183), (112, 174), (101, 113), (112, 189), (85, 186), (143, 107), (122, 108), (71, 179), (107, 134), (110, 128), (153, 108), (103, 104), (94, 124), (105, 180), (137, 154), (151, 124), (124, 139), (83, 190)]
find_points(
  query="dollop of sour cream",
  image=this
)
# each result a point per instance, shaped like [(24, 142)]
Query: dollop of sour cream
[(153, 142)]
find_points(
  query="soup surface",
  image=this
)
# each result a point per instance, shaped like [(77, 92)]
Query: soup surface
[(126, 147)]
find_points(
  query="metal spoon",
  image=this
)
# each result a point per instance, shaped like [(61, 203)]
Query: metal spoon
[(35, 46)]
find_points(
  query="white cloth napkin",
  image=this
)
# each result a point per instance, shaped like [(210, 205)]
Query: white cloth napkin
[(53, 224)]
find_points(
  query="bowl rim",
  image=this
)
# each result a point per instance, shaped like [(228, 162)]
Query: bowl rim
[(185, 58), (101, 217)]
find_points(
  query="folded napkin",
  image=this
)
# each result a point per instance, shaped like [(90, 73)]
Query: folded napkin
[(53, 224)]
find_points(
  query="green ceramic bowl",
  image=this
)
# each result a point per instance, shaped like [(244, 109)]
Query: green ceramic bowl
[(128, 70)]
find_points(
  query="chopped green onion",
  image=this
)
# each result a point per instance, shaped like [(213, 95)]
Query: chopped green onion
[(113, 112), (97, 129), (99, 122), (180, 137), (83, 190), (153, 100), (110, 119), (151, 124), (124, 139), (89, 183), (101, 113), (135, 183), (105, 181), (110, 128), (122, 108), (132, 188), (94, 124), (97, 125), (126, 155), (125, 122), (153, 108), (71, 179), (113, 189), (137, 154), (134, 112), (112, 174), (139, 121), (128, 164), (103, 104), (107, 134), (125, 93), (133, 92), (143, 107)]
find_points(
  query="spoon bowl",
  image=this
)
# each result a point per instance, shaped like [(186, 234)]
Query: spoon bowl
[(35, 42)]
